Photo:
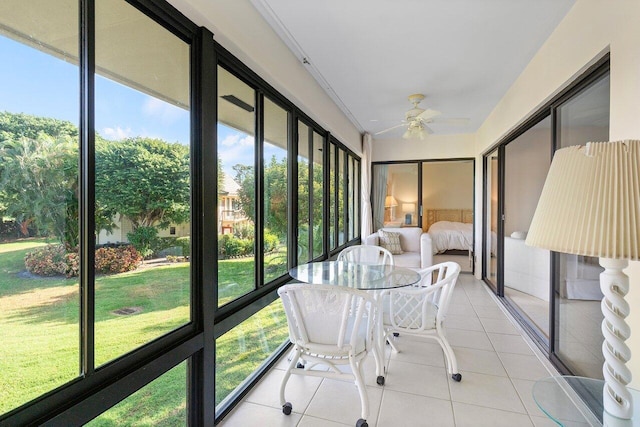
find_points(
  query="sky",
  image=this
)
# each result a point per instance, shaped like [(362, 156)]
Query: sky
[(36, 83)]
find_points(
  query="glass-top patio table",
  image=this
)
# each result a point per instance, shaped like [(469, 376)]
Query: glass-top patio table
[(353, 275), (369, 277)]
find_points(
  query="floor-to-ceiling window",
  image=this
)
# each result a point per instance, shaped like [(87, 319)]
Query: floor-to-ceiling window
[(527, 274), (146, 224), (556, 296)]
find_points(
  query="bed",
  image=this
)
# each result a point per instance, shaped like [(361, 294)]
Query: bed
[(450, 229)]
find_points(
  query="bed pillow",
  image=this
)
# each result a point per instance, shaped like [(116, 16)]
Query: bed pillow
[(390, 241)]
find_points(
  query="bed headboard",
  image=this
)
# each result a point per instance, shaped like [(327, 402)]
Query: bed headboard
[(453, 215)]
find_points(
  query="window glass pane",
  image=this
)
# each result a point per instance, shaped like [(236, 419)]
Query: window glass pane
[(395, 195), (142, 180), (356, 199), (341, 196), (318, 199), (352, 198), (333, 208), (245, 348), (275, 190), (39, 305), (162, 402), (236, 187), (527, 270), (304, 232), (491, 225), (585, 117)]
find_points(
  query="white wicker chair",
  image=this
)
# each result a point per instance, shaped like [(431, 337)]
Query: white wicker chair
[(421, 310), (332, 326), (366, 254)]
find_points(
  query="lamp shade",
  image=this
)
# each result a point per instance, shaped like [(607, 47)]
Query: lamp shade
[(390, 202), (590, 202)]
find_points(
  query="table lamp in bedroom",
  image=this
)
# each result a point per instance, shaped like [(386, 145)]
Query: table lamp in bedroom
[(590, 206)]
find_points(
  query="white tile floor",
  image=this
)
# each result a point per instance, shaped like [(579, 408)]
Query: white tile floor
[(499, 366)]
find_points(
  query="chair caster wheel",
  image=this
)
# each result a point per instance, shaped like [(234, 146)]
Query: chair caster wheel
[(286, 408), (362, 423), (396, 334), (457, 377), (380, 380), (300, 365)]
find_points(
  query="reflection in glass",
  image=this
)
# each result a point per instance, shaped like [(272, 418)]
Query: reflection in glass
[(142, 180), (585, 117), (161, 402), (491, 225), (275, 191), (245, 348), (527, 269), (236, 192), (395, 195), (39, 304)]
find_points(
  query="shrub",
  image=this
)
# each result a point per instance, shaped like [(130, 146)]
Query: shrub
[(117, 260), (244, 231), (185, 244), (270, 241), (145, 240), (47, 261)]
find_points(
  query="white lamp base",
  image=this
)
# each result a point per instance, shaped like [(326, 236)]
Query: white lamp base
[(614, 284)]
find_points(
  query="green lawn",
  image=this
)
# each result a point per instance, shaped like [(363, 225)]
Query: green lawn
[(39, 323)]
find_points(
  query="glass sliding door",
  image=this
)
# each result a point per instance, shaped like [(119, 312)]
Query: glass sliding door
[(527, 270), (395, 195), (578, 339)]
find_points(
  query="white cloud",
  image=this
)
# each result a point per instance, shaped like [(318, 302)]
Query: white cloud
[(161, 110), (116, 133), (237, 139)]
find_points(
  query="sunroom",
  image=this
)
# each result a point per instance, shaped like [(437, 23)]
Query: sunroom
[(165, 164)]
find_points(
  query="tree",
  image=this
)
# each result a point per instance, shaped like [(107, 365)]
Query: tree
[(16, 126), (39, 181), (144, 179)]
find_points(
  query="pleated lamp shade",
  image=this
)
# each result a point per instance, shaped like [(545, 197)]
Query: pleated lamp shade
[(590, 203)]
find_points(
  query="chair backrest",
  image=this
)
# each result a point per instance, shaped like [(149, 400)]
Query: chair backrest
[(327, 319), (366, 254), (426, 304)]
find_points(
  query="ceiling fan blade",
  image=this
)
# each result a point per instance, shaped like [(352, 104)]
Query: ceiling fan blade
[(391, 128), (427, 129), (452, 121), (428, 114)]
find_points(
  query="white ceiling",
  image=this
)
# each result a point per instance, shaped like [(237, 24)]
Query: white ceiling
[(371, 54)]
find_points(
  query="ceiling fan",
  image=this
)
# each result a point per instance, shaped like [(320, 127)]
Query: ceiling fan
[(417, 120)]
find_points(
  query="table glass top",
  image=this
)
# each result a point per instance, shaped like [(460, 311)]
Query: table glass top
[(572, 400), (353, 275)]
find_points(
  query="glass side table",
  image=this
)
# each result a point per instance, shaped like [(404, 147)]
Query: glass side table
[(569, 400)]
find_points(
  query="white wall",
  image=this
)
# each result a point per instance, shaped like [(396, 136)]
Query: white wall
[(239, 28), (589, 29), (432, 147)]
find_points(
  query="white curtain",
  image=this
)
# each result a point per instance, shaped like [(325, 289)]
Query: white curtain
[(366, 226)]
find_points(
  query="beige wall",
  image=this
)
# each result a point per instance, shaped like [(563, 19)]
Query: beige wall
[(591, 28), (447, 185)]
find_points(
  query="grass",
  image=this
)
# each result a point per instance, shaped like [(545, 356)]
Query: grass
[(39, 323)]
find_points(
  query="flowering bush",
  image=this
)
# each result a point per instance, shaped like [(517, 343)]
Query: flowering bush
[(53, 260), (47, 261), (117, 260)]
